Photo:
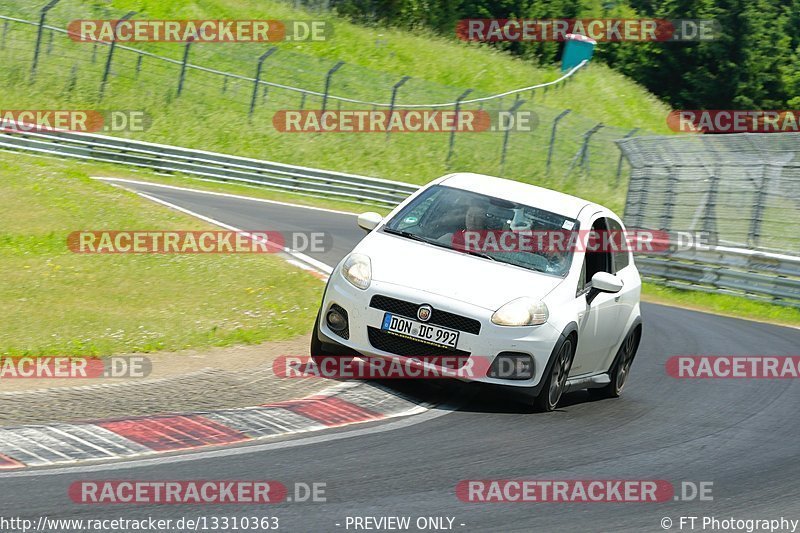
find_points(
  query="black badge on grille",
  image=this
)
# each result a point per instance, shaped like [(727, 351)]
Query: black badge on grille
[(424, 312)]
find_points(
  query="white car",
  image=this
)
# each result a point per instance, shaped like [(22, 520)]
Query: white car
[(547, 322)]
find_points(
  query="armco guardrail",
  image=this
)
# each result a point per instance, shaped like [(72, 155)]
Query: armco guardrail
[(208, 165), (761, 276), (752, 274)]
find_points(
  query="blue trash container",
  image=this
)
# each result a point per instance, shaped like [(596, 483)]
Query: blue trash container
[(576, 49)]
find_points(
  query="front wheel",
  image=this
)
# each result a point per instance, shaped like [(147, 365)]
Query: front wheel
[(316, 349), (553, 388), (621, 368)]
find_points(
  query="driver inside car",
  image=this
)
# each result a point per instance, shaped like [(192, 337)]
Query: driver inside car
[(474, 220)]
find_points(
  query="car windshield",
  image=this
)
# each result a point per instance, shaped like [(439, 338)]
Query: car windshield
[(486, 226)]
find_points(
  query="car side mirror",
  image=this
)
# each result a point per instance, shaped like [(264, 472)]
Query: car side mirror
[(605, 282), (369, 221)]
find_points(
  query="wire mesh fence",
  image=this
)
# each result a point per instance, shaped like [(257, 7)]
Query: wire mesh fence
[(743, 189), (227, 86)]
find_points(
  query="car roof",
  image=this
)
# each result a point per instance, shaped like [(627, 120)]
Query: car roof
[(517, 191)]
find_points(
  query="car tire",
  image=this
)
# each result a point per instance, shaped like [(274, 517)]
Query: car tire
[(553, 387), (316, 349), (620, 370)]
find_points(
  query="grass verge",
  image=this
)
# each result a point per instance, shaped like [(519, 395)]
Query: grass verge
[(59, 302), (712, 303)]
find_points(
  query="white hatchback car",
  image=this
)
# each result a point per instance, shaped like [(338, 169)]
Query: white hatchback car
[(547, 321)]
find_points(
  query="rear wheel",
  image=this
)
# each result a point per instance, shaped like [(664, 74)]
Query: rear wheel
[(621, 368), (553, 388)]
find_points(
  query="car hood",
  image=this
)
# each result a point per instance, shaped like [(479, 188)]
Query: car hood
[(457, 275)]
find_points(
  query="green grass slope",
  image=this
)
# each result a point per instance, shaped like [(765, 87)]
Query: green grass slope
[(212, 111)]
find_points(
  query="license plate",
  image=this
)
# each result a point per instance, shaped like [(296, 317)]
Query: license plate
[(405, 327)]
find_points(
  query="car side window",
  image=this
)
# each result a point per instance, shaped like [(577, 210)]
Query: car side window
[(621, 257), (599, 260), (581, 280)]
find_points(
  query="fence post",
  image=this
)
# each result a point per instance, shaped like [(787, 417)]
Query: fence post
[(553, 139), (669, 204), (758, 209), (111, 47), (583, 153), (261, 59), (455, 126), (138, 64), (619, 163), (395, 87), (42, 17), (183, 64), (73, 78), (5, 32), (328, 76), (506, 133)]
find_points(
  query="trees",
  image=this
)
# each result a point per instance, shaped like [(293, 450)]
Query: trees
[(752, 64)]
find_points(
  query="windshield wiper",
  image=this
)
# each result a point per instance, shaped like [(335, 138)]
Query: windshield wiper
[(477, 254), (415, 237), (407, 235)]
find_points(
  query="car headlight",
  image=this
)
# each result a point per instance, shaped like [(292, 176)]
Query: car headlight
[(521, 312), (357, 269)]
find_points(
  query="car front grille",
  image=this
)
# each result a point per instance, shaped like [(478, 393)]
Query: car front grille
[(410, 348), (438, 317)]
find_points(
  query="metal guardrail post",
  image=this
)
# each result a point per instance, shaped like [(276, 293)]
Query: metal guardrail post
[(42, 17), (455, 127), (553, 139), (111, 48), (621, 155), (328, 76), (261, 60), (189, 42), (395, 88), (506, 133)]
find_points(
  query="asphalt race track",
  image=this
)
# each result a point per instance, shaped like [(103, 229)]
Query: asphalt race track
[(742, 435)]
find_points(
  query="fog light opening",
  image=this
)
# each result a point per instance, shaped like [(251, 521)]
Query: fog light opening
[(512, 365), (336, 321)]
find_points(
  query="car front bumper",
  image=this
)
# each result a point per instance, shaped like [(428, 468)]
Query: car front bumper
[(483, 348)]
